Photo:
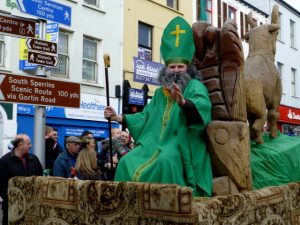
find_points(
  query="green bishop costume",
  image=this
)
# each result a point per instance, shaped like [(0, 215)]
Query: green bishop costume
[(168, 149)]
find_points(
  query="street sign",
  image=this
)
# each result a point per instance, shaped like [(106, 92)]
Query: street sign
[(41, 45), (136, 96), (42, 59), (47, 9), (16, 26), (52, 30), (39, 91)]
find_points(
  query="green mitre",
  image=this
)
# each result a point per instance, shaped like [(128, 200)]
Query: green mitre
[(177, 42)]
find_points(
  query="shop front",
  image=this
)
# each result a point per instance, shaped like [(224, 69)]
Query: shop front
[(71, 121), (289, 120)]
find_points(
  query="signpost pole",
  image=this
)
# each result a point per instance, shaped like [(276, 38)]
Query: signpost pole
[(40, 111)]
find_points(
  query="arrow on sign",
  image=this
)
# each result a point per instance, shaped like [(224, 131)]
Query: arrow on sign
[(21, 5), (40, 91), (17, 27), (42, 59), (41, 45), (47, 9)]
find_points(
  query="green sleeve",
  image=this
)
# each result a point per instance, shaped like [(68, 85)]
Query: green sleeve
[(197, 155), (198, 94), (136, 122)]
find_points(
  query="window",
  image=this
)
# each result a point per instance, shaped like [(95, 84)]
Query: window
[(247, 25), (279, 37), (242, 25), (224, 12), (145, 41), (92, 2), (293, 82), (219, 14), (280, 69), (2, 49), (173, 4), (231, 13), (63, 55), (207, 12), (90, 66), (292, 33)]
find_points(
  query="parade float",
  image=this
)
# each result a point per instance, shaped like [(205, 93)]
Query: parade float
[(255, 174)]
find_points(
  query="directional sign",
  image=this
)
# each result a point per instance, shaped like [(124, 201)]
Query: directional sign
[(39, 91), (16, 26), (41, 45), (52, 30), (47, 9), (42, 59)]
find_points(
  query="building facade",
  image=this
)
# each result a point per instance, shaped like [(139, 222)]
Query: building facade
[(287, 61), (96, 28)]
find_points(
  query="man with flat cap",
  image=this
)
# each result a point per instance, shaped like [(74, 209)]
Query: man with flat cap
[(65, 163), (169, 133)]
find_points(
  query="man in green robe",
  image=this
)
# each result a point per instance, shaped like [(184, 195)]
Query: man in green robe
[(169, 134)]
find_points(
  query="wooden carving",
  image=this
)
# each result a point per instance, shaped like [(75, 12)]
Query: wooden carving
[(219, 57), (262, 80), (228, 142)]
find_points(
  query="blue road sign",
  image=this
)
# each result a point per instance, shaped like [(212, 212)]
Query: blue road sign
[(47, 9)]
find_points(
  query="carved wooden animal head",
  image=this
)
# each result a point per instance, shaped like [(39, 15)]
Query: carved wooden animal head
[(263, 38)]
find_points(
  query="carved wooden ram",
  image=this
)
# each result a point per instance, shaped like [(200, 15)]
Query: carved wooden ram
[(262, 80)]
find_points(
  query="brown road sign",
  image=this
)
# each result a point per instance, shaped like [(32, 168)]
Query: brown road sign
[(39, 91), (42, 59), (41, 45), (16, 26)]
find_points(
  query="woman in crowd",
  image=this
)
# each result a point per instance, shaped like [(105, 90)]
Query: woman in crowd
[(86, 166), (89, 143)]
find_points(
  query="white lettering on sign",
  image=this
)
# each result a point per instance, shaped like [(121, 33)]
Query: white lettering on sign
[(49, 4), (46, 84), (9, 21), (292, 115), (24, 89)]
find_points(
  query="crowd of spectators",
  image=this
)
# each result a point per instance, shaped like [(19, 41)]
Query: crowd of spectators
[(79, 159)]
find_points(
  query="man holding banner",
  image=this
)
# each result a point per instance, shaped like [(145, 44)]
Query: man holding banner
[(169, 133)]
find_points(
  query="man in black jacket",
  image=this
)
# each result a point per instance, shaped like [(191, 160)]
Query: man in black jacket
[(52, 148), (18, 162)]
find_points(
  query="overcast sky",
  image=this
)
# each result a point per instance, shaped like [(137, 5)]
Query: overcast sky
[(264, 4), (294, 3)]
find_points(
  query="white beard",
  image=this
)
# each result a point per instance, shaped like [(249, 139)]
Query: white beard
[(166, 79)]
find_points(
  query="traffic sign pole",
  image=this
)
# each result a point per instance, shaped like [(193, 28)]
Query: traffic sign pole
[(40, 111)]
